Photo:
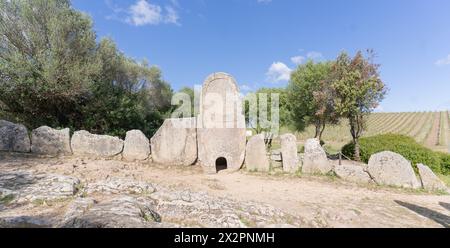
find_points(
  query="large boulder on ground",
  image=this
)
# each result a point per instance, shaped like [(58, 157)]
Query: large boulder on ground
[(95, 146), (352, 173), (315, 159), (289, 153), (175, 143), (48, 141), (14, 137), (429, 180), (255, 154), (136, 146), (389, 168)]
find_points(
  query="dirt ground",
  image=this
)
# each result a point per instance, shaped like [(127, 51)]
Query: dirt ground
[(326, 200)]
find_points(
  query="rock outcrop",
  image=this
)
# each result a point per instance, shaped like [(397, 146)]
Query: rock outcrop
[(48, 141), (14, 137), (255, 154), (389, 168), (429, 180), (315, 160), (352, 173), (136, 146), (289, 153), (175, 142), (95, 146)]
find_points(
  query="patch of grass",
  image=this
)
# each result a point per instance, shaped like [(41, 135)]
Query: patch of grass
[(246, 222), (445, 179), (7, 199)]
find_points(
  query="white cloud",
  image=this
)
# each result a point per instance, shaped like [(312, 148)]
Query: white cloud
[(314, 55), (172, 15), (143, 13), (444, 61), (298, 60), (278, 72)]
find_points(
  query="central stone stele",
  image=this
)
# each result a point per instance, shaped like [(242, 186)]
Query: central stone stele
[(221, 125)]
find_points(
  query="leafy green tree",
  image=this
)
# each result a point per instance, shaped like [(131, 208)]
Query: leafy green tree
[(359, 90), (47, 60), (310, 97), (265, 123), (52, 72)]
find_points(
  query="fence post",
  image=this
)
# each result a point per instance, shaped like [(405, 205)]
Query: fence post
[(340, 158)]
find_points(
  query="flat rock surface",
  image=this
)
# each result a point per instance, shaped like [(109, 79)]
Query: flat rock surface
[(131, 194)]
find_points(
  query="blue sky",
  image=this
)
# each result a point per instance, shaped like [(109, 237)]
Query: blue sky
[(260, 41)]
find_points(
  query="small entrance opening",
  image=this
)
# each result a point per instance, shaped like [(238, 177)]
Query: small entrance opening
[(221, 164)]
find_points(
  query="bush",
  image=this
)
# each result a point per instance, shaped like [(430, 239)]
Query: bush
[(403, 145)]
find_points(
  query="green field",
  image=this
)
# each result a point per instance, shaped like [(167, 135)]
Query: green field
[(431, 129)]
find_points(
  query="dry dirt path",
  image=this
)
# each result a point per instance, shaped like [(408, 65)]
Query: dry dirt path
[(325, 201)]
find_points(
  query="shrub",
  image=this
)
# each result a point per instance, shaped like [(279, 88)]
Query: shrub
[(403, 145)]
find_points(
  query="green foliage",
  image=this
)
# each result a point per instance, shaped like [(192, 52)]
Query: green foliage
[(358, 91), (403, 145), (310, 96), (53, 72), (265, 125)]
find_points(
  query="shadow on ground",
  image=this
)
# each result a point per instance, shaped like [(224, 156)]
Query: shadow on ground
[(437, 217), (445, 205)]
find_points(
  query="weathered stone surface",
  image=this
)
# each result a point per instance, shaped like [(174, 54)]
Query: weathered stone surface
[(255, 155), (48, 141), (389, 168), (27, 187), (221, 125), (315, 159), (198, 209), (429, 180), (14, 137), (175, 142), (118, 212), (352, 173), (97, 146), (136, 146), (289, 153), (119, 186)]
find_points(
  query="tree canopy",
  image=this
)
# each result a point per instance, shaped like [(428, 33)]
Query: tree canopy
[(53, 72)]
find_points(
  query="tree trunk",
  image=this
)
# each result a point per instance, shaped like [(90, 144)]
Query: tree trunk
[(356, 151), (321, 131), (318, 133)]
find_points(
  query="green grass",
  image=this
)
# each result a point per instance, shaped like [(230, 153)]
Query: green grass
[(6, 199)]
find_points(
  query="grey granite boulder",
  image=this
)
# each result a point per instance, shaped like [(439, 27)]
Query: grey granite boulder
[(175, 142), (315, 160), (48, 141), (389, 168), (136, 146), (14, 137), (95, 146), (429, 180), (255, 154), (289, 153), (352, 173)]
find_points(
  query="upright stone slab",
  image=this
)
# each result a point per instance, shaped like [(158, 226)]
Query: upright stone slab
[(289, 153), (48, 141), (14, 137), (136, 146), (429, 180), (255, 154), (315, 159), (175, 142), (389, 168), (95, 146), (221, 127)]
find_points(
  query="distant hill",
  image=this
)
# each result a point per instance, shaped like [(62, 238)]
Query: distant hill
[(431, 129)]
